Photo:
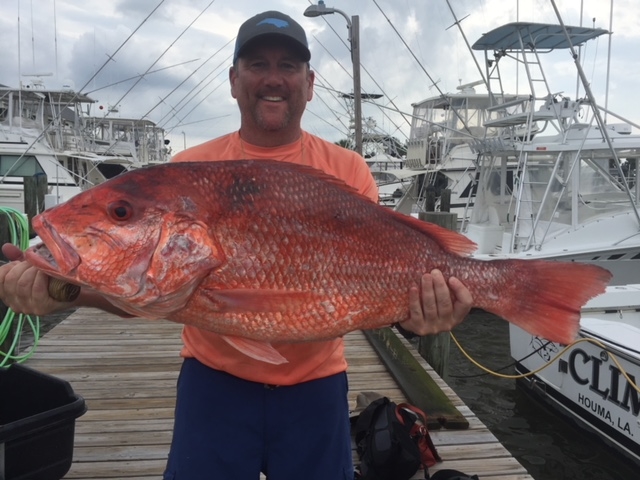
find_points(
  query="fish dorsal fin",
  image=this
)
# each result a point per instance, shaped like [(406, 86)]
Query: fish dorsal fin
[(448, 240)]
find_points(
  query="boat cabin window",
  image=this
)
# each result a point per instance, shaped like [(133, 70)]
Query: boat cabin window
[(26, 166)]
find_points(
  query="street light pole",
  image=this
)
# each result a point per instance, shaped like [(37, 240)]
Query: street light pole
[(357, 95), (353, 27), (184, 139)]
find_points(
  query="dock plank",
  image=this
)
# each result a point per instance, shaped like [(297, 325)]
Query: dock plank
[(126, 370)]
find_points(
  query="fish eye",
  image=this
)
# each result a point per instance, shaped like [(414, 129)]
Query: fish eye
[(120, 210)]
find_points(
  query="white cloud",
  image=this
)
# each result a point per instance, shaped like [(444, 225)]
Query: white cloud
[(87, 32)]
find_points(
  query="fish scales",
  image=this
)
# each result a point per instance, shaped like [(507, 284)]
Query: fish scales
[(276, 252), (303, 248)]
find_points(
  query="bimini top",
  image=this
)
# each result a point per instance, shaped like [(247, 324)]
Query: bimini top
[(542, 36)]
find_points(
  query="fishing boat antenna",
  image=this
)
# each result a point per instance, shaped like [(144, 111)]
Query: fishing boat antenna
[(126, 40), (19, 68), (440, 92), (55, 35), (33, 39), (458, 23), (363, 67), (164, 52), (136, 76), (193, 72), (606, 91), (323, 84), (110, 57), (192, 94)]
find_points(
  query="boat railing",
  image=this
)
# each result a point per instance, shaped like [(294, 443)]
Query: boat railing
[(505, 105), (604, 201), (489, 145)]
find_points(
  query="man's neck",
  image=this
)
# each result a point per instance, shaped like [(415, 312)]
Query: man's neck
[(270, 139)]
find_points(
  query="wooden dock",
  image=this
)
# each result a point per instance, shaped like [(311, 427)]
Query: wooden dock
[(126, 370)]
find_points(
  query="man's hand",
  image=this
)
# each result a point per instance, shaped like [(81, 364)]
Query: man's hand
[(24, 288), (437, 307)]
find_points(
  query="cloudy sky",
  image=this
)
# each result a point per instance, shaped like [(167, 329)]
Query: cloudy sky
[(184, 47)]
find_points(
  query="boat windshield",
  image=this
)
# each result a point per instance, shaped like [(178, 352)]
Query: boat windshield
[(552, 194), (14, 165)]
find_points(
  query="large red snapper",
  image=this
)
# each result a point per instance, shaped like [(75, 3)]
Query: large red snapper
[(265, 251)]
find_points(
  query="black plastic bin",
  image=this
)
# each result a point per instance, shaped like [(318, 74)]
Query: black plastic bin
[(37, 423)]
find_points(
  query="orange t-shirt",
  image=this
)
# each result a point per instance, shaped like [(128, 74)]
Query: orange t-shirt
[(309, 360)]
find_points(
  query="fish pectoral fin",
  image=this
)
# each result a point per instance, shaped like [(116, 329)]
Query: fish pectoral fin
[(259, 301), (257, 350)]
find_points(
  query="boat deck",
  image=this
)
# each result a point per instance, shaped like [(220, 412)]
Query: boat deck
[(126, 370)]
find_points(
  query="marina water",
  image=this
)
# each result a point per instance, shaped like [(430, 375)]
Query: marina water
[(549, 446)]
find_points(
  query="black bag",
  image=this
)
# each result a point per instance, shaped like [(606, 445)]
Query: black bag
[(453, 475), (387, 440)]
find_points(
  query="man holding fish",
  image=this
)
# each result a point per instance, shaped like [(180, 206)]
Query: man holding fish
[(239, 412)]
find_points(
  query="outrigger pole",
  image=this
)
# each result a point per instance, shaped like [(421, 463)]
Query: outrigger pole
[(596, 110)]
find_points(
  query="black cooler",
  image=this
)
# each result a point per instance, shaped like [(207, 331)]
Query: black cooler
[(37, 422)]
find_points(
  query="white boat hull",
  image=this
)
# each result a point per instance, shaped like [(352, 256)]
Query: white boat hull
[(586, 384)]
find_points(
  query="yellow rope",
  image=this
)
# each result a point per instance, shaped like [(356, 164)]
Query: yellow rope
[(533, 372)]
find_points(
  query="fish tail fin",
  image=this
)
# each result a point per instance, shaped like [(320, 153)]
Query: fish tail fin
[(546, 296)]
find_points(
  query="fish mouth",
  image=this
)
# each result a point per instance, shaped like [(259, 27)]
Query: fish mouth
[(54, 255)]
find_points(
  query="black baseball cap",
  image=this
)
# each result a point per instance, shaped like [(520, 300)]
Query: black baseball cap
[(272, 23)]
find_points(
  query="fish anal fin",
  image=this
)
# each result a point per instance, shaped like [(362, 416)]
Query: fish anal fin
[(261, 351)]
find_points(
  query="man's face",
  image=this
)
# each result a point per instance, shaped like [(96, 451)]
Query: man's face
[(272, 86)]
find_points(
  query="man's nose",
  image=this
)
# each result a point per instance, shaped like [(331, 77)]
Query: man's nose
[(273, 76)]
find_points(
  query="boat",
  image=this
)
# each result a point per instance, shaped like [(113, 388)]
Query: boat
[(593, 382), (388, 173), (439, 149), (50, 132), (140, 141), (385, 159), (573, 196), (33, 121)]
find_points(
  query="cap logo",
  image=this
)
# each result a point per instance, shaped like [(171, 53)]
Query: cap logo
[(276, 22)]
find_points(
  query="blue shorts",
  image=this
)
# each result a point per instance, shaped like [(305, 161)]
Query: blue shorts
[(227, 428)]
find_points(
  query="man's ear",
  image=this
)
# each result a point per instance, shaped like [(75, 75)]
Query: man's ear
[(311, 79), (232, 80)]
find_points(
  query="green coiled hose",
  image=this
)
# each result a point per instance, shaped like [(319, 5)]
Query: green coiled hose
[(12, 323)]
